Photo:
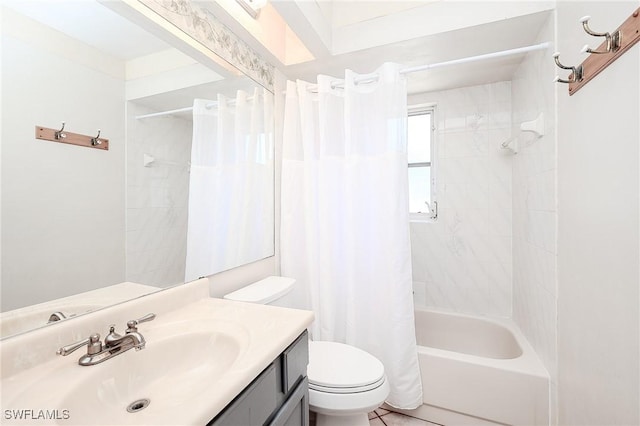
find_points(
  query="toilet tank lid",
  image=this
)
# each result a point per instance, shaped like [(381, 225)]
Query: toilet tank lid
[(263, 291)]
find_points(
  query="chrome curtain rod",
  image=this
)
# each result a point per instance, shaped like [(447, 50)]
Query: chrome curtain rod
[(185, 109), (500, 54), (409, 70), (159, 114), (173, 111)]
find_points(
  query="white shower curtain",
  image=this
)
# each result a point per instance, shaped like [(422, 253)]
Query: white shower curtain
[(345, 219), (231, 183)]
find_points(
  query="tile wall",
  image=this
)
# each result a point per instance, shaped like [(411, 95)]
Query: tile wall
[(463, 261), (535, 212), (157, 197)]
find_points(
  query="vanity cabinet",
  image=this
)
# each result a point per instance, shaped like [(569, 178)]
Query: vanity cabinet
[(279, 396)]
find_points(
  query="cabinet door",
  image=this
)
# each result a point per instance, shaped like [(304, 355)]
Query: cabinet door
[(294, 362), (278, 396), (294, 412), (254, 405)]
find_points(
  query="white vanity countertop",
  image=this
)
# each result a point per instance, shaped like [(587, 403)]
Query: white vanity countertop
[(257, 334), (269, 331)]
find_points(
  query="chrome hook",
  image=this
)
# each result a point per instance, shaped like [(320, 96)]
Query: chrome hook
[(96, 141), (613, 40), (576, 72), (59, 134)]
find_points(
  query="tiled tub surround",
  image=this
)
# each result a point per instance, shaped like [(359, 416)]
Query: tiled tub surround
[(157, 197), (535, 212), (462, 261), (30, 363)]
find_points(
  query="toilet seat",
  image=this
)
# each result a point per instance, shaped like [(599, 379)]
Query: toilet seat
[(343, 369), (354, 389)]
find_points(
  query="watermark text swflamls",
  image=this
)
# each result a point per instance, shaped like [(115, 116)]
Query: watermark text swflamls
[(29, 414)]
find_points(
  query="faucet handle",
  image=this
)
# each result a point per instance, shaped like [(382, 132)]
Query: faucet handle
[(133, 324), (92, 342)]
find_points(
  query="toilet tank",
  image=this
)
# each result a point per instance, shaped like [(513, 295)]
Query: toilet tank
[(268, 291)]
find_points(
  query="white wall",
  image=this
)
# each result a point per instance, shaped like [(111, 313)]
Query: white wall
[(462, 261), (62, 205), (75, 83), (535, 207), (598, 229)]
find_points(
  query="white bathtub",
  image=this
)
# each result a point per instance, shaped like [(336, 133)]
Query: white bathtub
[(478, 371)]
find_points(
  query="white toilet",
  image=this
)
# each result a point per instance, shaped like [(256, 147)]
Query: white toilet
[(345, 383)]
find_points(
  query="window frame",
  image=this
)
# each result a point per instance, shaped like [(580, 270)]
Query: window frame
[(432, 214)]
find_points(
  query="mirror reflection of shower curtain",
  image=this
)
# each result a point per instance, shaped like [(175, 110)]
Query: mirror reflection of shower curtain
[(231, 184)]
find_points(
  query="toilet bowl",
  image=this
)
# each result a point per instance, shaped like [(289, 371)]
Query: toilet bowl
[(345, 383)]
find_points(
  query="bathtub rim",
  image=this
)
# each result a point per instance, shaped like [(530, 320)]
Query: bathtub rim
[(527, 363)]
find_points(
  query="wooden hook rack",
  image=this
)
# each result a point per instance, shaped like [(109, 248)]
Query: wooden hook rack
[(62, 136), (596, 63)]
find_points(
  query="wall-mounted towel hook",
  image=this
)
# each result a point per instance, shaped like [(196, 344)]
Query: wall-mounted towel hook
[(577, 73), (59, 134), (96, 141), (613, 40), (70, 138)]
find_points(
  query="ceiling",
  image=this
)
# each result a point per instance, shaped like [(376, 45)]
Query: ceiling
[(363, 34), (146, 60), (470, 41), (337, 34), (343, 13), (93, 24)]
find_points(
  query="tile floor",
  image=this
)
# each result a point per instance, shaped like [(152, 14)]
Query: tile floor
[(382, 417)]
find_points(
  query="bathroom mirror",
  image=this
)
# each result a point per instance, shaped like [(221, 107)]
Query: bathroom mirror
[(83, 228)]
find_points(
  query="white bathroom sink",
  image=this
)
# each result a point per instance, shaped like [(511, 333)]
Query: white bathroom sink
[(197, 359), (166, 374)]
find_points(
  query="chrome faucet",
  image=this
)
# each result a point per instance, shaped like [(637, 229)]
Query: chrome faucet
[(114, 343)]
